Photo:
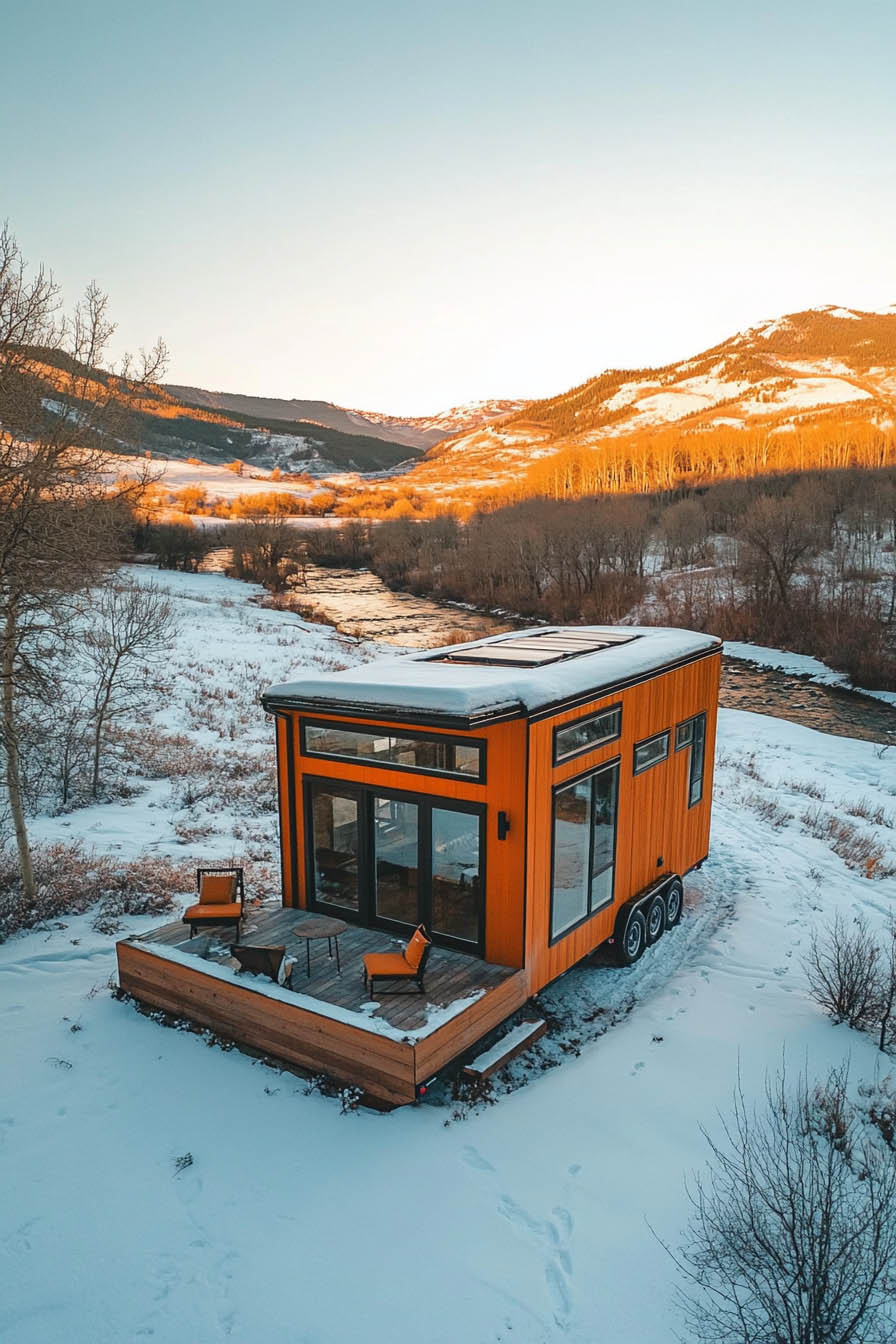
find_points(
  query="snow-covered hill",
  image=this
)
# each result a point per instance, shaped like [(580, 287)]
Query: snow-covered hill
[(775, 374), (431, 429)]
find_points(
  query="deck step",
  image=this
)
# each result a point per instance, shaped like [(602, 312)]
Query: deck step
[(514, 1043)]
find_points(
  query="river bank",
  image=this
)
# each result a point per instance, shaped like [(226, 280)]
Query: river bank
[(357, 603)]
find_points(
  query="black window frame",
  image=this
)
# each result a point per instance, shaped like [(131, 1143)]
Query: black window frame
[(614, 764), (687, 744), (444, 739), (560, 758), (365, 915), (645, 741)]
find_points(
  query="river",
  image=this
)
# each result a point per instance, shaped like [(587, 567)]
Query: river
[(360, 604)]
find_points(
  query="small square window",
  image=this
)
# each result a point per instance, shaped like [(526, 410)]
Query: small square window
[(684, 734)]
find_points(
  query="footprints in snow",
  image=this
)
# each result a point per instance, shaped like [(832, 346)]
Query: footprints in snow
[(474, 1158), (550, 1235), (18, 1242), (205, 1265)]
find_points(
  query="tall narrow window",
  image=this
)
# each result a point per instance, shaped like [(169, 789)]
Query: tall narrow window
[(584, 848), (692, 734), (335, 839)]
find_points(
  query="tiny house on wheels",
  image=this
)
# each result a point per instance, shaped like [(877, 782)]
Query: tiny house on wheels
[(524, 798)]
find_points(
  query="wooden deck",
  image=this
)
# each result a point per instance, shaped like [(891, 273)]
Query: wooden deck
[(378, 1058)]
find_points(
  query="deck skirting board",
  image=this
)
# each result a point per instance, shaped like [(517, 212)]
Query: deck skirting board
[(387, 1069), (381, 1066)]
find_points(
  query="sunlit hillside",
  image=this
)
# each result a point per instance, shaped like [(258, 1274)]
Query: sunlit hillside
[(811, 389)]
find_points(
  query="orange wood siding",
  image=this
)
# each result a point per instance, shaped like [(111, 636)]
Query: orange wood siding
[(504, 791), (654, 820)]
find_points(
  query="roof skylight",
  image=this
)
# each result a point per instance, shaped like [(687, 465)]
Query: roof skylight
[(535, 650)]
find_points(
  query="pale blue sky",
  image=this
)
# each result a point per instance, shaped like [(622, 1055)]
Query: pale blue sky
[(404, 206)]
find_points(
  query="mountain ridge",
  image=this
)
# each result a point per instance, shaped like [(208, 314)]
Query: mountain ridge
[(774, 375), (418, 432)]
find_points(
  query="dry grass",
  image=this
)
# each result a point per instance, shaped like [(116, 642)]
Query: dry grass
[(71, 881), (809, 788), (858, 850), (869, 811), (770, 811)]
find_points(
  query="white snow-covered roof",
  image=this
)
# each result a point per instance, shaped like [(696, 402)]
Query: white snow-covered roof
[(425, 683)]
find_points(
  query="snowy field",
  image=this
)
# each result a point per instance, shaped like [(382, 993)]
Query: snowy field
[(176, 473), (155, 1188)]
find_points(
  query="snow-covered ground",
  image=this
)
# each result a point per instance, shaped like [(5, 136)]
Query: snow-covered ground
[(156, 1188)]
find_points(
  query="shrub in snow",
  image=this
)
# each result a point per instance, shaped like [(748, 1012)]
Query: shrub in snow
[(768, 810), (878, 1101), (844, 969), (853, 976), (70, 881), (792, 1238)]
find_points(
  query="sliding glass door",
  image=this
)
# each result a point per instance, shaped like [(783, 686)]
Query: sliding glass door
[(397, 860)]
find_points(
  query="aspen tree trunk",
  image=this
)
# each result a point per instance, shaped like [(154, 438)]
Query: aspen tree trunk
[(101, 712), (13, 776)]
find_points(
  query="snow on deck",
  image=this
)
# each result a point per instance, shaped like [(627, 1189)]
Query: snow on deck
[(436, 1014)]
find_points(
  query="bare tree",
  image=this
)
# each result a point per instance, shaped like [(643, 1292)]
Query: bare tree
[(843, 968), (132, 628), (685, 532), (853, 976), (792, 1238), (779, 535), (887, 1001), (267, 549), (62, 420)]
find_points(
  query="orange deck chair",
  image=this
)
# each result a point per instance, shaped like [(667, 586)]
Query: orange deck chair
[(407, 965), (221, 899)]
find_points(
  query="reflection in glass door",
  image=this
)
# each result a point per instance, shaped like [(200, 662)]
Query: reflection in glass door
[(456, 886), (396, 850), (335, 848)]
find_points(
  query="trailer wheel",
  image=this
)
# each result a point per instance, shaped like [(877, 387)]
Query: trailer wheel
[(655, 920), (633, 939), (674, 902)]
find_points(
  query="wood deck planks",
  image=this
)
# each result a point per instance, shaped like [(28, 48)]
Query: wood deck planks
[(450, 975)]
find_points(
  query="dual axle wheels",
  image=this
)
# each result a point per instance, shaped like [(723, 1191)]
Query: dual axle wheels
[(648, 921)]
